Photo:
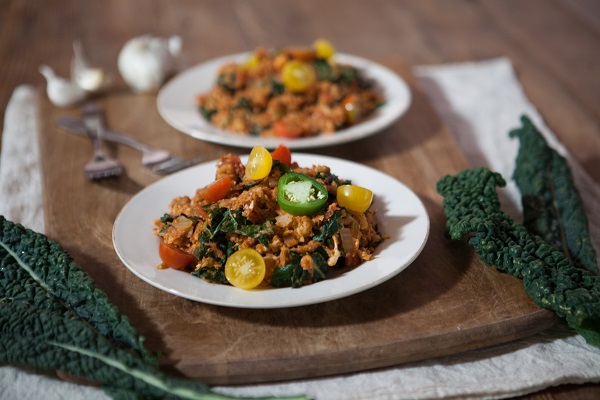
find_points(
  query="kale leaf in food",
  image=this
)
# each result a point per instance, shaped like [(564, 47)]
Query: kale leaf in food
[(292, 274), (215, 244), (324, 71), (284, 168), (207, 113), (344, 74), (216, 275), (244, 103), (328, 178), (228, 81), (552, 207), (277, 88), (53, 317), (472, 210), (348, 75), (330, 228), (232, 221)]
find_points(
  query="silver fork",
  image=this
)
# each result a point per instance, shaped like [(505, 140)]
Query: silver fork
[(101, 166), (157, 160)]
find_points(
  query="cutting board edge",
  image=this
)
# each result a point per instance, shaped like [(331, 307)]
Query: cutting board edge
[(392, 354)]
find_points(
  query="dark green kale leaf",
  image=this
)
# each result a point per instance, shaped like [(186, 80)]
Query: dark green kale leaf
[(277, 88), (284, 168), (53, 317), (324, 71), (472, 210), (232, 221), (228, 81), (206, 113), (166, 218), (328, 178), (255, 130), (348, 75), (290, 274), (216, 275), (294, 275), (330, 228), (33, 265), (321, 268), (223, 221), (244, 103), (552, 207)]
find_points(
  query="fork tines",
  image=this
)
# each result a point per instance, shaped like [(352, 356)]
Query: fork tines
[(102, 168)]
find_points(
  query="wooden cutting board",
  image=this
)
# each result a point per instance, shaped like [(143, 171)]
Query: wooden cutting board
[(446, 302)]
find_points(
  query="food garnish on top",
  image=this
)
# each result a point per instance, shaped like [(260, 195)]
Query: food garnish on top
[(269, 223), (289, 93)]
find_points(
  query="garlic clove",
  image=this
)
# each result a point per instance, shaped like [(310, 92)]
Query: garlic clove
[(87, 76), (146, 61), (60, 91)]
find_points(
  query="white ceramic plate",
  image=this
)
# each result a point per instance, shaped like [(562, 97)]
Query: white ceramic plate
[(177, 106), (402, 218)]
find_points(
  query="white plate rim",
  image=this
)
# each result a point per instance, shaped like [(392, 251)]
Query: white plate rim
[(391, 257), (175, 103)]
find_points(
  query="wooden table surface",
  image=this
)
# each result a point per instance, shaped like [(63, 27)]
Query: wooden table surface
[(553, 45)]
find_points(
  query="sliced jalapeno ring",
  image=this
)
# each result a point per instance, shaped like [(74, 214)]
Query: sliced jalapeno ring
[(299, 194)]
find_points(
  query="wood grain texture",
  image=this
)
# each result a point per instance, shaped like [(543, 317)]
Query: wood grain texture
[(446, 302)]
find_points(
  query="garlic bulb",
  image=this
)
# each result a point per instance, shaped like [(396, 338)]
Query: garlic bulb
[(146, 61), (87, 76), (61, 92)]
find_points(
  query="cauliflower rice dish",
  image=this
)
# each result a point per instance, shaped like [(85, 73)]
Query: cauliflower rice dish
[(289, 93), (269, 223)]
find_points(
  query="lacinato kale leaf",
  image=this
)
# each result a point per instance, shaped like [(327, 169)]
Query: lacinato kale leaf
[(284, 168), (348, 75), (216, 275), (53, 317), (228, 81), (292, 274), (472, 210), (552, 207), (324, 71), (206, 113), (33, 265), (277, 88), (244, 103), (330, 228), (328, 178), (232, 221)]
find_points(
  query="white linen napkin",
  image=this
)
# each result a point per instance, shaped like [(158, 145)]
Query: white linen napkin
[(461, 94), (20, 179)]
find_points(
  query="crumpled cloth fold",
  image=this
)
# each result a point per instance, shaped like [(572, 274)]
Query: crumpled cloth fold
[(479, 102)]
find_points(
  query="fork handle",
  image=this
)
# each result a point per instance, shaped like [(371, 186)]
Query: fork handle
[(76, 126), (93, 128), (126, 140)]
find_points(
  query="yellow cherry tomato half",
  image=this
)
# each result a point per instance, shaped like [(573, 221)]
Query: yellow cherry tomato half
[(354, 198), (245, 269), (259, 163), (324, 49), (298, 76), (251, 62)]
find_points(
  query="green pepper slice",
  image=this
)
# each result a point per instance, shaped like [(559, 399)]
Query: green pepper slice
[(299, 194)]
